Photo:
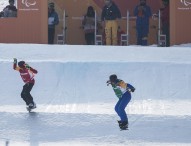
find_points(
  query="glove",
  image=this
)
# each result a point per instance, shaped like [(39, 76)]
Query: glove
[(15, 60), (108, 82), (132, 90), (27, 66)]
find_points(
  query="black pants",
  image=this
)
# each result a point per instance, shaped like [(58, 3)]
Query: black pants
[(166, 31), (25, 94), (90, 38), (51, 33)]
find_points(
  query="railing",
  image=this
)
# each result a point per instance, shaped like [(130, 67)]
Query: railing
[(61, 38)]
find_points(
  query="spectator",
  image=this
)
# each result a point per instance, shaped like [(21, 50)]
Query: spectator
[(52, 21), (165, 21), (110, 15), (143, 13), (89, 26), (10, 10)]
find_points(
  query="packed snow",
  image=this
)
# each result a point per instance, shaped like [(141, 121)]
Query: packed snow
[(75, 107)]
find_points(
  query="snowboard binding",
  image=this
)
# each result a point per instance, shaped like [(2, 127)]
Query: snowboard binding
[(30, 107), (123, 125)]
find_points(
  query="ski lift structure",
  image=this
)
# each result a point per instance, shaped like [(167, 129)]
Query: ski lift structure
[(98, 37), (161, 37), (61, 38), (125, 37)]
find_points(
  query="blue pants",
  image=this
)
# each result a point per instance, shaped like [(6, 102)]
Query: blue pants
[(142, 35), (121, 105)]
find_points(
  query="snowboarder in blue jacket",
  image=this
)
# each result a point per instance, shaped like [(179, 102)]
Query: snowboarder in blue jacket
[(123, 92)]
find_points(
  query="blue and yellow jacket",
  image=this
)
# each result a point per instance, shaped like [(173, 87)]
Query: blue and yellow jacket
[(120, 87)]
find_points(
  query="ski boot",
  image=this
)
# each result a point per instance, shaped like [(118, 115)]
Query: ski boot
[(31, 106), (123, 125), (34, 106)]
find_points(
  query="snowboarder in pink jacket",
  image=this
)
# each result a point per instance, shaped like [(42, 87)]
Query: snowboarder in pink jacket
[(27, 74)]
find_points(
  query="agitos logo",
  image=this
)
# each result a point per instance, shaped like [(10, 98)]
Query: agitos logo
[(184, 5), (186, 2), (29, 3)]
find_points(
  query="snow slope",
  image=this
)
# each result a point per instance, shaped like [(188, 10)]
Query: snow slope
[(75, 107)]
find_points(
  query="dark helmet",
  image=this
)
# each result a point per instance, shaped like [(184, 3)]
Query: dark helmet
[(113, 78), (21, 64)]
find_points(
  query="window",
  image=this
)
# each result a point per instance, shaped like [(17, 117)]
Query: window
[(8, 8)]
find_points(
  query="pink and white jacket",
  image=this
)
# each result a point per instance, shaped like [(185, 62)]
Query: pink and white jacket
[(27, 75)]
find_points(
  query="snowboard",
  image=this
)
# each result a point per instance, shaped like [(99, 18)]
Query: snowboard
[(124, 128), (29, 109)]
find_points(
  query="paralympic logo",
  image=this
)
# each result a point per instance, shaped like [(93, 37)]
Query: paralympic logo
[(28, 4), (186, 2)]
